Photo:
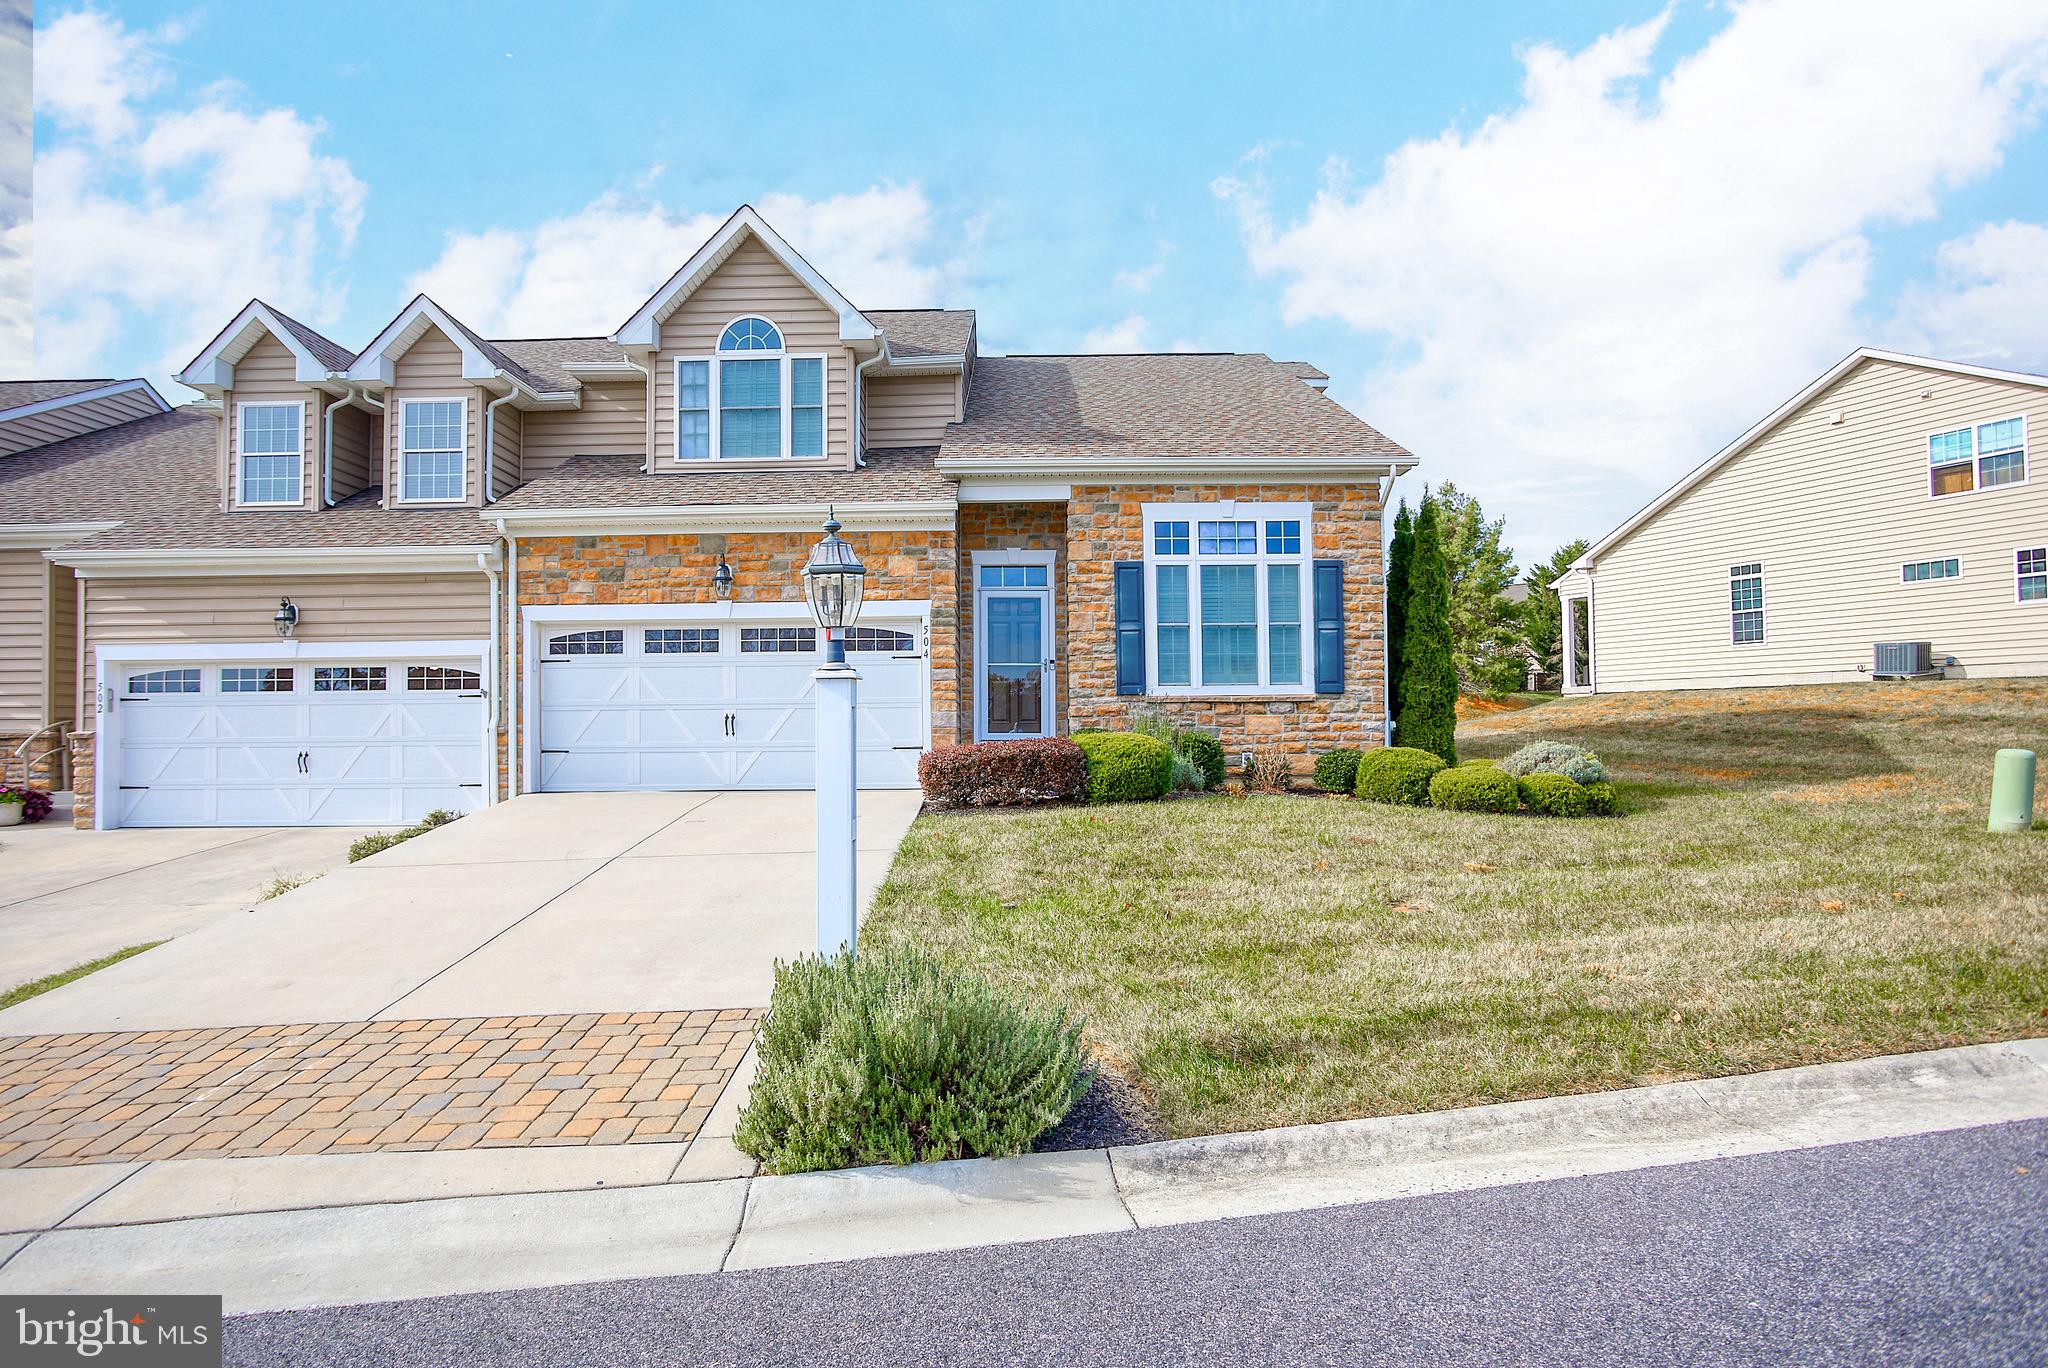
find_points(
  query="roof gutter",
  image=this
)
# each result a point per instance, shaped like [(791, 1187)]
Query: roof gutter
[(355, 395), (270, 560), (1135, 469), (876, 515), (491, 439)]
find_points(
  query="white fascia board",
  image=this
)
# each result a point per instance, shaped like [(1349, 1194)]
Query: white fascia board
[(214, 368), (606, 372), (205, 652), (84, 396), (238, 561), (1150, 469), (375, 365), (42, 536), (896, 515), (643, 329), (1756, 433), (1014, 491), (937, 364)]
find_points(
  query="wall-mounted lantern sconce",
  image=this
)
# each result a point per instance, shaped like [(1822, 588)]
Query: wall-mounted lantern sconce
[(721, 579), (287, 617)]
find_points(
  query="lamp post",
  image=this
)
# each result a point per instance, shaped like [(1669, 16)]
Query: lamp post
[(832, 583)]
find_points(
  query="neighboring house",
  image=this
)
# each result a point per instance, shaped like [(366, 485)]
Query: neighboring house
[(1896, 499), (573, 563), (67, 471)]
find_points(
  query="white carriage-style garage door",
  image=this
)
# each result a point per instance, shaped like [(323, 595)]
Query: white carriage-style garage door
[(698, 705), (327, 743)]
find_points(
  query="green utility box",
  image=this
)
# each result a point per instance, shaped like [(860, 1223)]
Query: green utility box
[(2012, 791)]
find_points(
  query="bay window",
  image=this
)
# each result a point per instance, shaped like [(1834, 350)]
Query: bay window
[(1226, 608), (753, 400)]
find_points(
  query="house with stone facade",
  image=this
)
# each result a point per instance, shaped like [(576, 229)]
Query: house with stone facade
[(443, 570)]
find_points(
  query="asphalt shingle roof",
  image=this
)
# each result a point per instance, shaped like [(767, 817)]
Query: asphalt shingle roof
[(544, 357), (162, 463), (925, 332), (326, 350), (1179, 404), (355, 521), (15, 393), (618, 482)]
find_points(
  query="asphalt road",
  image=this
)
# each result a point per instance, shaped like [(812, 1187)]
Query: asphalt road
[(1926, 1250)]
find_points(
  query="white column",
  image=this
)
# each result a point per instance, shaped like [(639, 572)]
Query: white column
[(835, 691)]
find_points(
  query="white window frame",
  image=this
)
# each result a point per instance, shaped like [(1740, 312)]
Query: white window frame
[(2017, 600), (785, 356), (403, 451), (242, 408), (1904, 566), (1762, 610), (1977, 485), (1230, 510)]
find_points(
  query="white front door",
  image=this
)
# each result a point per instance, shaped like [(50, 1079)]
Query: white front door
[(700, 705), (333, 743), (1013, 672)]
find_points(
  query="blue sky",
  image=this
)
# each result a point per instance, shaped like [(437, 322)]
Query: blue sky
[(1562, 253)]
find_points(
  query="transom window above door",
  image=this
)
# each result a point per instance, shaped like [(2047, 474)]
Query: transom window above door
[(1226, 597), (753, 400)]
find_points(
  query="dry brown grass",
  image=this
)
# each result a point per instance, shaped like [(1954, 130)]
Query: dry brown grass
[(1265, 961)]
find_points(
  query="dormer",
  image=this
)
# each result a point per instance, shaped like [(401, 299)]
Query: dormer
[(275, 380)]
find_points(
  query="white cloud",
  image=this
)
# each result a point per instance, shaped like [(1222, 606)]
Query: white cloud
[(157, 218), (587, 271), (1592, 291), (1139, 279), (1988, 301), (1126, 335)]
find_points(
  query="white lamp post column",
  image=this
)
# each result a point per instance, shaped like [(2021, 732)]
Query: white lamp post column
[(832, 581)]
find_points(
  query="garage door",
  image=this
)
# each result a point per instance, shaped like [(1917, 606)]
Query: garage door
[(727, 705), (356, 743)]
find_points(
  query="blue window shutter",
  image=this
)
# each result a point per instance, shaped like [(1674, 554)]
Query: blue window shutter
[(1329, 626), (1130, 627)]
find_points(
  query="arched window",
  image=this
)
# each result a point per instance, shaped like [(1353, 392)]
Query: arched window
[(752, 400)]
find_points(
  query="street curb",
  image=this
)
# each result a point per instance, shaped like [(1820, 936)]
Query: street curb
[(405, 1249)]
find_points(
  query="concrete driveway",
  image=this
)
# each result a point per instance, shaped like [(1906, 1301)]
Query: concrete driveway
[(68, 896), (548, 904)]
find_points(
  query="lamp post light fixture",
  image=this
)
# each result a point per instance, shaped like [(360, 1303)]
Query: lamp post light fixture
[(286, 617), (721, 579), (832, 582)]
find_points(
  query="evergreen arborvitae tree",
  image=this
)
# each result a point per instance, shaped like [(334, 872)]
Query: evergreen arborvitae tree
[(1429, 679), (1399, 553), (1484, 628)]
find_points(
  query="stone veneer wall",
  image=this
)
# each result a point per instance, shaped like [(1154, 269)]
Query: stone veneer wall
[(38, 769), (81, 778), (1106, 525), (767, 568), (1012, 527)]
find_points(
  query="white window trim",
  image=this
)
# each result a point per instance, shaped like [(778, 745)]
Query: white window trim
[(1976, 473), (1232, 510), (242, 408), (1763, 587), (1568, 657), (711, 366), (407, 402), (2017, 600), (1904, 566), (1050, 685)]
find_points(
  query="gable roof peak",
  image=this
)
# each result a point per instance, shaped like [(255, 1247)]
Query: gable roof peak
[(318, 357)]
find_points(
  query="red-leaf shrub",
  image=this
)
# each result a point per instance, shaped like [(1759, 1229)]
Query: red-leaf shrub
[(1005, 773), (35, 803)]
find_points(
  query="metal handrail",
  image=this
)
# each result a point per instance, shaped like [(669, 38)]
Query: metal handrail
[(61, 749)]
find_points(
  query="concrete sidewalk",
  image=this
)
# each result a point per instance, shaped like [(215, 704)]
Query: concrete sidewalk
[(271, 1237)]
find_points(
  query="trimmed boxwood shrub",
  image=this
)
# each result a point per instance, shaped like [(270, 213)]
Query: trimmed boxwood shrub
[(1600, 800), (1005, 773), (1207, 753), (1125, 767), (1473, 788), (893, 1058), (1397, 774), (1552, 795), (1337, 770)]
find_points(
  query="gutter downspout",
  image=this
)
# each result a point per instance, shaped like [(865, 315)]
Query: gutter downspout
[(491, 443), (354, 395), (483, 563), (511, 661), (860, 385), (647, 385)]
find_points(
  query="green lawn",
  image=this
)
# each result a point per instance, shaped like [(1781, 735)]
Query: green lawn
[(22, 992), (1803, 875)]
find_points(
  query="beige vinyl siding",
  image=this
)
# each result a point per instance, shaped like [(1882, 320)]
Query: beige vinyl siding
[(612, 422), (24, 593), (752, 281), (1832, 510), (41, 429), (205, 611), (912, 410), (268, 374), (507, 424), (60, 676), (431, 368), (357, 433)]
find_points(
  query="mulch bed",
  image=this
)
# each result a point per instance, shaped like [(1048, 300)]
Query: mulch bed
[(1111, 1113)]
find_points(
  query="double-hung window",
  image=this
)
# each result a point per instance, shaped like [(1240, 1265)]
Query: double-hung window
[(753, 400), (1746, 603), (270, 438), (430, 453), (2030, 572), (1225, 602), (1983, 456)]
